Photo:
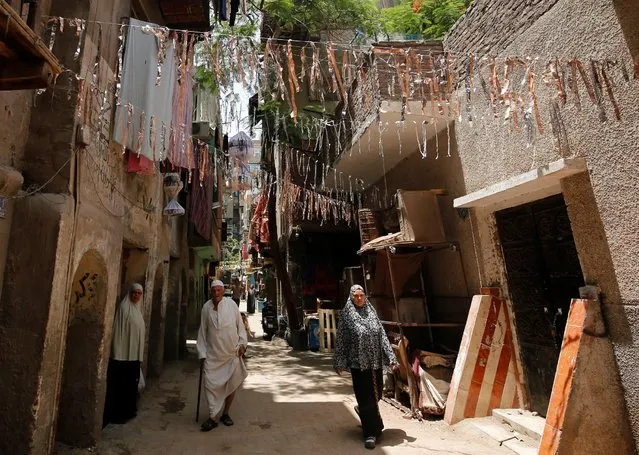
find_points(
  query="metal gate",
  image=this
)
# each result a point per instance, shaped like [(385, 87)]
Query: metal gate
[(544, 274)]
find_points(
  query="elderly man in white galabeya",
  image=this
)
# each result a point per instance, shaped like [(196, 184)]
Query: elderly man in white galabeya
[(221, 344)]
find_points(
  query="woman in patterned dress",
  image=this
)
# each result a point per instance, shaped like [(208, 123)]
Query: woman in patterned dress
[(363, 348)]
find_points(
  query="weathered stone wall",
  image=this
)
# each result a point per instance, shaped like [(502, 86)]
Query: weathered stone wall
[(490, 26), (91, 206), (15, 114), (491, 150)]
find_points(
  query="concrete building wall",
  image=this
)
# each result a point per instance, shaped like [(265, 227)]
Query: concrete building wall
[(15, 114), (602, 205)]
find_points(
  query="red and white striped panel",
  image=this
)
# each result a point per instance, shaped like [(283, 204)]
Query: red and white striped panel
[(487, 373)]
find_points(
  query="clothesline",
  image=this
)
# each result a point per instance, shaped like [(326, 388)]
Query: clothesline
[(361, 47)]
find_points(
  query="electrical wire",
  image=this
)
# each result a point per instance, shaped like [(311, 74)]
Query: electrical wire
[(44, 185), (114, 185)]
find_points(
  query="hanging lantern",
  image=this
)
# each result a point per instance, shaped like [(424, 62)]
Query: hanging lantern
[(172, 186)]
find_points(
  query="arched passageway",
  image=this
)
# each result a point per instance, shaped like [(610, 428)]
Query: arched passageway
[(80, 408)]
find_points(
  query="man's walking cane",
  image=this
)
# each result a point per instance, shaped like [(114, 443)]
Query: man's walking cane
[(199, 393)]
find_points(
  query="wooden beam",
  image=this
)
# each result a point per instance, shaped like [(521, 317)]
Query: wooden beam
[(419, 324), (25, 75), (17, 35), (6, 52)]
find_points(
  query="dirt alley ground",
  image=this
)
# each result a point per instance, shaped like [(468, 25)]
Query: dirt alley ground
[(291, 403)]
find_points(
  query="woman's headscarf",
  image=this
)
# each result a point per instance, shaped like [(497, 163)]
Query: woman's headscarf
[(128, 329), (361, 340)]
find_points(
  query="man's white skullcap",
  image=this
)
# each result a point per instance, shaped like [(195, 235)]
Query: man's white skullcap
[(216, 283)]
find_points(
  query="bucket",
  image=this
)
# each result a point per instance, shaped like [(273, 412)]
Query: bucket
[(297, 339), (313, 334)]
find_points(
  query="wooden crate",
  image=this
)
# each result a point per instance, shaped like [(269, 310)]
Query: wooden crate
[(370, 226), (328, 329)]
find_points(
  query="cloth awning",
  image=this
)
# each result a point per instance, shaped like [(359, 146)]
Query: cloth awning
[(397, 240)]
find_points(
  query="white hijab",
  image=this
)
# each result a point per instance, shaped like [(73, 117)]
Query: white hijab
[(128, 329)]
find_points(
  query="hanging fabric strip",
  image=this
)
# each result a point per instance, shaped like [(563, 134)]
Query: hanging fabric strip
[(584, 76), (346, 68), (264, 73), (574, 83), (240, 66), (469, 87), (314, 73), (420, 81), (535, 103), (335, 73), (284, 94), (292, 81), (597, 84), (163, 139), (494, 92), (153, 138), (53, 24), (406, 81), (118, 74), (610, 93), (127, 128), (551, 76), (80, 100), (138, 149), (303, 63), (216, 65), (80, 26), (494, 78), (162, 36), (450, 80)]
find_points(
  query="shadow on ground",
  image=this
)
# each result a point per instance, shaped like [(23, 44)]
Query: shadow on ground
[(292, 403)]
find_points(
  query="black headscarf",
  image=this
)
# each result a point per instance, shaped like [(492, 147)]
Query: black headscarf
[(361, 340)]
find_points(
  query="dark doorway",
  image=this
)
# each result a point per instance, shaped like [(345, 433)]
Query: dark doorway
[(544, 274)]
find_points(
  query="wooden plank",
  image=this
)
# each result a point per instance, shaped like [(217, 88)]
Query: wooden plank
[(14, 29), (7, 52), (418, 324), (23, 75)]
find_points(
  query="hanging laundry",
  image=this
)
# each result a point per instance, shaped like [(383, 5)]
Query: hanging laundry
[(201, 203), (180, 143), (140, 93)]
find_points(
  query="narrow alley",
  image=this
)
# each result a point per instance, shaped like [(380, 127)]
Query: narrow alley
[(291, 403), (427, 209)]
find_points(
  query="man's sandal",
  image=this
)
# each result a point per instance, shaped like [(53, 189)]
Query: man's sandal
[(226, 420), (208, 425)]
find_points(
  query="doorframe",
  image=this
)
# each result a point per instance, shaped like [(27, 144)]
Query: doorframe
[(518, 312), (520, 189)]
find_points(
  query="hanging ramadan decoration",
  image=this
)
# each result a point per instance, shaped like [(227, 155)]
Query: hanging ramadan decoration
[(172, 186), (525, 94)]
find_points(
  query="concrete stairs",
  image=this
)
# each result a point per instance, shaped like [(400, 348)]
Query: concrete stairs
[(515, 429)]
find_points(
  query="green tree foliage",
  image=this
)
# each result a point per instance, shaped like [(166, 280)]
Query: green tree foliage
[(317, 15), (429, 18), (231, 251)]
